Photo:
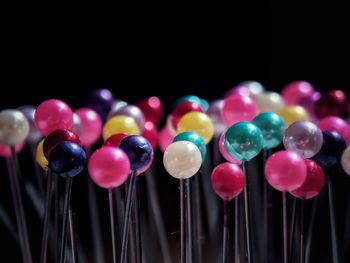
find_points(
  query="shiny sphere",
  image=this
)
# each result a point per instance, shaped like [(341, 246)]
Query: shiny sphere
[(285, 171), (290, 114), (139, 151), (296, 91), (181, 109), (56, 137), (91, 126), (131, 111), (303, 138), (67, 159), (194, 138), (332, 149), (272, 128), (189, 98), (227, 180), (182, 159), (238, 90), (152, 109), (199, 123), (53, 115), (269, 101), (114, 140), (243, 141), (100, 100), (224, 152), (109, 167), (313, 183), (120, 124), (337, 124), (332, 103), (238, 108), (34, 135), (14, 127), (254, 87)]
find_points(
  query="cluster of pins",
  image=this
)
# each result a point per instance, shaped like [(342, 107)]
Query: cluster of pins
[(246, 122)]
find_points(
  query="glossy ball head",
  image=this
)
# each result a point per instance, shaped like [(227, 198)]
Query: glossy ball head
[(150, 132), (109, 167), (303, 138), (165, 138), (238, 90), (199, 123), (238, 108), (224, 152), (285, 171), (269, 102), (117, 105), (181, 109), (77, 127), (194, 138), (314, 181), (56, 137), (114, 140), (139, 151), (53, 115), (34, 134), (345, 160), (243, 141), (227, 180), (182, 159), (272, 128), (188, 98), (120, 124), (333, 123), (131, 111), (332, 103), (67, 159), (14, 127), (5, 151), (205, 105), (100, 100), (254, 87), (40, 157), (296, 91), (332, 148), (214, 113), (91, 126), (152, 109), (290, 114)]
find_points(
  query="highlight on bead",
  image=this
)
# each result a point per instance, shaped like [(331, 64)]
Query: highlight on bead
[(243, 141), (199, 123), (227, 180), (14, 127), (52, 115), (285, 171), (182, 159), (120, 124)]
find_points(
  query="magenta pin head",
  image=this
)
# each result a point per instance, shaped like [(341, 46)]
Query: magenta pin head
[(227, 180), (53, 115), (109, 167)]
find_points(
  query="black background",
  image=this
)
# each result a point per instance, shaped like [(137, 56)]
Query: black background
[(168, 49)]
